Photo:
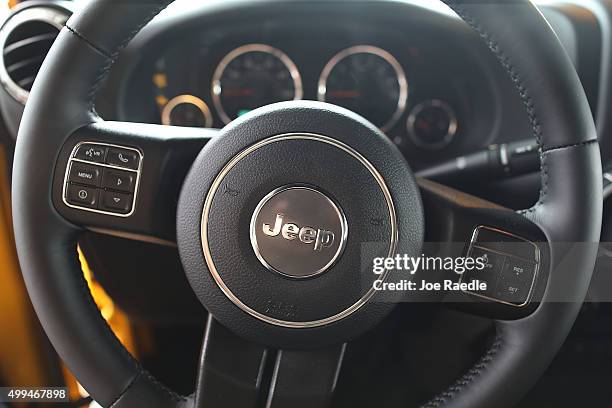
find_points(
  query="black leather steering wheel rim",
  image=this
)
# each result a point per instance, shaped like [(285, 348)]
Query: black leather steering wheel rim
[(569, 209)]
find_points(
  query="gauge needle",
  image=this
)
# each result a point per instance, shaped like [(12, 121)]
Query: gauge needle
[(423, 125), (345, 94), (239, 92)]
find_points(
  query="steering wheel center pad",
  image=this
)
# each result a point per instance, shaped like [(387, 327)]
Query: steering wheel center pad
[(350, 162)]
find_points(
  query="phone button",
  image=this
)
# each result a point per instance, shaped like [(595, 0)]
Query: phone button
[(123, 158)]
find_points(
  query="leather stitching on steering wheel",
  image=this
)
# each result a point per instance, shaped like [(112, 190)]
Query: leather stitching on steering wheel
[(467, 378), (82, 38), (112, 57), (477, 369), (520, 87)]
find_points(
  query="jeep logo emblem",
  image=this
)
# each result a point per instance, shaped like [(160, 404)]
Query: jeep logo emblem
[(307, 235), (298, 231)]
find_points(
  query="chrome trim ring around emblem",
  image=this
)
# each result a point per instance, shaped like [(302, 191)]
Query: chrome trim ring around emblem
[(314, 239), (208, 204)]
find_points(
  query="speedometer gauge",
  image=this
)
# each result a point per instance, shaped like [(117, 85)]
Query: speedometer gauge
[(251, 76), (367, 80)]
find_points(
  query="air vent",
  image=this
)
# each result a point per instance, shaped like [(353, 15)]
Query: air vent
[(25, 40)]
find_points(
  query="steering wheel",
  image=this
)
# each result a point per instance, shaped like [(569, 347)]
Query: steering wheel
[(276, 213)]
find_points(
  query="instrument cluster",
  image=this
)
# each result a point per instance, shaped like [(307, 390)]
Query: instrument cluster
[(431, 91), (364, 78)]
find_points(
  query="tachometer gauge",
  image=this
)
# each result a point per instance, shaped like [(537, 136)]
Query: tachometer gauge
[(186, 110), (432, 124), (251, 76), (367, 80)]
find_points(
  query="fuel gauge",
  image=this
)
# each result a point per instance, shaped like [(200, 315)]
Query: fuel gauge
[(432, 124)]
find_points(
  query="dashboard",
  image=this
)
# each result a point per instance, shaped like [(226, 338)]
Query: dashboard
[(411, 67), (364, 78), (422, 76)]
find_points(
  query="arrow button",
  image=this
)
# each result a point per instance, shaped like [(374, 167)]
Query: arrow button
[(117, 202), (118, 180)]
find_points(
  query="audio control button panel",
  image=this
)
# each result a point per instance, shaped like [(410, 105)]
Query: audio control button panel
[(103, 178)]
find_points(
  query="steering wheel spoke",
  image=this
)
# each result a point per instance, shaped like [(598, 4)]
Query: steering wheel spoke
[(510, 252), (124, 178), (240, 373), (231, 369), (305, 378)]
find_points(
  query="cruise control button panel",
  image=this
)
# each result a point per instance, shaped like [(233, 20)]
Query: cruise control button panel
[(511, 265), (103, 178)]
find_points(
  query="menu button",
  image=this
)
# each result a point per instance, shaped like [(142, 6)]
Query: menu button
[(84, 174)]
